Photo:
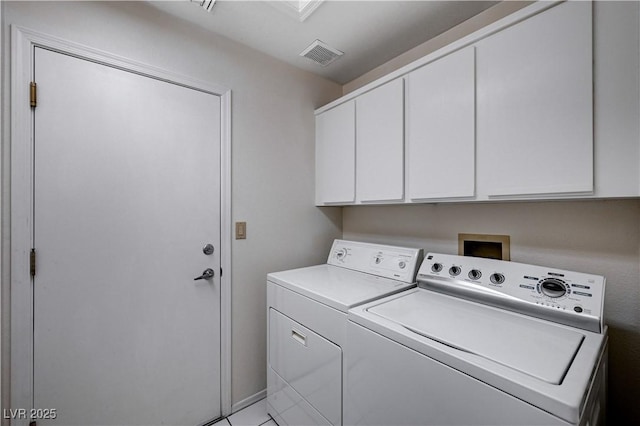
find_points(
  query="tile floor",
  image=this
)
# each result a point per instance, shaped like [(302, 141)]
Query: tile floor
[(253, 415)]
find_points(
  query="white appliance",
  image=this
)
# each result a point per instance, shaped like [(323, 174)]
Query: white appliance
[(480, 342), (307, 325)]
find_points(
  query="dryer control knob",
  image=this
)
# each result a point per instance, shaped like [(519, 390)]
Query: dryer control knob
[(402, 264), (475, 274), (553, 287), (436, 267), (341, 254), (454, 271), (497, 278)]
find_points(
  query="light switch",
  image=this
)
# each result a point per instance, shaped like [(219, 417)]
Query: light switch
[(241, 230)]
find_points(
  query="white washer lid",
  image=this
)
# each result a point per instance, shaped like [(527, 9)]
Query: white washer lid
[(538, 349), (337, 287)]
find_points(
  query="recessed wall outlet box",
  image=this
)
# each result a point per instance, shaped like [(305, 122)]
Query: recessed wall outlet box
[(484, 245)]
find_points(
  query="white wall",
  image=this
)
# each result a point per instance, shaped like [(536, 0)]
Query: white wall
[(272, 148), (598, 237), (467, 27)]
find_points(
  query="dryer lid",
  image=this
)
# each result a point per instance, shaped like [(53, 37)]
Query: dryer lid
[(534, 347), (337, 287)]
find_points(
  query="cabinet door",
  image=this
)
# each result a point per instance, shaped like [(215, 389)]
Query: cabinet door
[(535, 113), (335, 155), (380, 144), (441, 128)]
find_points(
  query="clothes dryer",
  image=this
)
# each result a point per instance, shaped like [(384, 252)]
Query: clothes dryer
[(307, 325)]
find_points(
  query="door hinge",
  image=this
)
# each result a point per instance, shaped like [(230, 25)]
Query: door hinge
[(32, 262), (33, 94)]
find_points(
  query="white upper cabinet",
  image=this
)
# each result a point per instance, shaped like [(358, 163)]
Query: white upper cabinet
[(441, 128), (535, 105), (616, 99), (380, 144), (335, 155), (543, 104)]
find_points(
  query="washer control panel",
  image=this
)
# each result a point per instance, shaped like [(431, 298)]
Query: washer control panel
[(567, 297), (398, 263)]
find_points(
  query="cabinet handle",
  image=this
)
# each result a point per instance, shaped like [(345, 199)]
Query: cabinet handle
[(299, 337)]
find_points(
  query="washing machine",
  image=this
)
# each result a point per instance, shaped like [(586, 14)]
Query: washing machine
[(480, 342), (307, 325)]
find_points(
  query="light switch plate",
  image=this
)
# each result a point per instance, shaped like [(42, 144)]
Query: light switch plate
[(241, 230)]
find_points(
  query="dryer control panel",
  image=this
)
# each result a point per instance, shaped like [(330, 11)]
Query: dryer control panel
[(566, 297), (398, 263)]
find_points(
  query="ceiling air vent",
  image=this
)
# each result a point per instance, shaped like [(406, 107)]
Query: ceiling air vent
[(321, 53)]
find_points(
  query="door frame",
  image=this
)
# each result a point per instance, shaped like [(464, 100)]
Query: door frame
[(23, 43)]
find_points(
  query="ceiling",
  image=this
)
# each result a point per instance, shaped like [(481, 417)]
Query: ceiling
[(369, 33)]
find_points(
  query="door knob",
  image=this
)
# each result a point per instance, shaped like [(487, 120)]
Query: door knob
[(207, 274)]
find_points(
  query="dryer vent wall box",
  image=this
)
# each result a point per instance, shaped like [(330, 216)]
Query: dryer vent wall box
[(483, 245), (307, 316)]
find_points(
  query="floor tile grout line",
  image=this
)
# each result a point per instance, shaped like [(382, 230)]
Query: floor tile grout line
[(265, 422), (221, 421), (269, 418), (257, 424)]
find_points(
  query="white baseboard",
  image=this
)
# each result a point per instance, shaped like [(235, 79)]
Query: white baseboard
[(248, 401)]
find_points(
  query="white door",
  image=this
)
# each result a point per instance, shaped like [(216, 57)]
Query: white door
[(441, 128), (535, 105), (380, 143), (127, 193), (336, 155)]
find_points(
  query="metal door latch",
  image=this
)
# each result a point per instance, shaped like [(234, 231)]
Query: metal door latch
[(207, 274)]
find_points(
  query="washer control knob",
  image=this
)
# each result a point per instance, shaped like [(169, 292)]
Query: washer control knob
[(475, 274), (402, 264), (436, 267), (378, 259), (341, 254), (454, 271), (497, 278), (553, 287)]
